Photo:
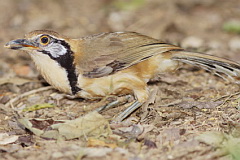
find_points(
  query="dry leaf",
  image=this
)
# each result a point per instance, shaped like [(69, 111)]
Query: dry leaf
[(212, 138), (26, 140), (90, 125), (200, 105), (149, 143), (80, 152), (6, 139), (96, 152), (22, 70), (225, 143), (92, 142), (14, 80), (27, 124)]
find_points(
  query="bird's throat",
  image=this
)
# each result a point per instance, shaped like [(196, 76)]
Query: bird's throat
[(58, 73)]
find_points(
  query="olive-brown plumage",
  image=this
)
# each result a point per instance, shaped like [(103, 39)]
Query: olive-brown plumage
[(115, 63)]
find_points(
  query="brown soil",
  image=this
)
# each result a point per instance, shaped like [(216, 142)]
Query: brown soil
[(187, 103)]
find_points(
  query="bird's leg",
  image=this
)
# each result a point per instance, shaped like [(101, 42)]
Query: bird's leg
[(128, 111), (113, 104), (141, 94)]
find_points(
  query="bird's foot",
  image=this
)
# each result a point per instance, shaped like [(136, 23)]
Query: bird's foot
[(135, 105), (113, 103)]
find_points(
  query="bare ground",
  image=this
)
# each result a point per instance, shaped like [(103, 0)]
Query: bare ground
[(192, 114)]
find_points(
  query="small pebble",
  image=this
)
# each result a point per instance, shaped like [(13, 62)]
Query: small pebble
[(215, 45), (234, 44), (192, 42)]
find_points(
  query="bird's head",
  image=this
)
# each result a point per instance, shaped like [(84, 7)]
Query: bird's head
[(42, 42), (53, 56)]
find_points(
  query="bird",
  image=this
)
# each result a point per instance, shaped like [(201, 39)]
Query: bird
[(111, 63)]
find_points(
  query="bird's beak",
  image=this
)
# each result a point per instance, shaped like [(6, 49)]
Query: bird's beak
[(21, 44)]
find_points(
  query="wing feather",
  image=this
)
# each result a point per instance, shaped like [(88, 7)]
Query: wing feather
[(108, 53)]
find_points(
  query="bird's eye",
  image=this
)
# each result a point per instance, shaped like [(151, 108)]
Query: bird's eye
[(44, 40)]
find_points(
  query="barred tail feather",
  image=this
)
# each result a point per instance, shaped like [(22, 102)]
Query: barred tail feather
[(211, 63)]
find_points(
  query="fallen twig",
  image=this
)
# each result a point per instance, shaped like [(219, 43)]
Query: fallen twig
[(10, 102), (171, 104), (229, 96)]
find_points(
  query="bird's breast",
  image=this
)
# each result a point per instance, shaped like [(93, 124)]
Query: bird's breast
[(52, 72)]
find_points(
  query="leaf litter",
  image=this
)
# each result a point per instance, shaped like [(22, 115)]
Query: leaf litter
[(184, 104), (91, 125)]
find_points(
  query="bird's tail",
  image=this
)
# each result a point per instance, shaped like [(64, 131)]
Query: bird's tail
[(217, 65)]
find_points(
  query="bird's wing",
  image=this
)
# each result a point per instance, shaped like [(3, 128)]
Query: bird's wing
[(108, 53)]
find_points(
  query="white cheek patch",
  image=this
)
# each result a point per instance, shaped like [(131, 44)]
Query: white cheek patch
[(56, 49)]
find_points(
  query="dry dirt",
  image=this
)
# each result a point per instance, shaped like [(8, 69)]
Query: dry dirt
[(192, 114)]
